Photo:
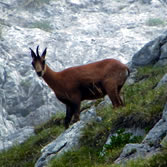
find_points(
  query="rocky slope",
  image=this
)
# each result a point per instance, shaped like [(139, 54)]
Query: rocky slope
[(75, 32), (150, 54)]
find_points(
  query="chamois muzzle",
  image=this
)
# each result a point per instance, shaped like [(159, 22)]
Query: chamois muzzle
[(39, 74)]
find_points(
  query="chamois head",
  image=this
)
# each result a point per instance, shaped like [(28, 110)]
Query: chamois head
[(38, 62)]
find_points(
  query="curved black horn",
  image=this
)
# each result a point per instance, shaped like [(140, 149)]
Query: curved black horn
[(37, 51), (32, 53), (44, 53)]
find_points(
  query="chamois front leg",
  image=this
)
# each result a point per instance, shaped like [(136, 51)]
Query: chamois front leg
[(72, 109), (76, 109), (69, 114)]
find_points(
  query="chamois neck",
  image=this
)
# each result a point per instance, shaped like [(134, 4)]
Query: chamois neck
[(48, 71), (50, 77)]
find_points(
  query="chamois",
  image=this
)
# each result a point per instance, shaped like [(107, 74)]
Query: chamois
[(85, 82)]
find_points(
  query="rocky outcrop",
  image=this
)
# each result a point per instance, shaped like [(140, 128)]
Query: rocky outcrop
[(17, 138), (68, 140), (163, 81), (151, 143), (154, 52)]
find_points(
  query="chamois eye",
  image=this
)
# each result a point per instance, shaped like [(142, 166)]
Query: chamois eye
[(33, 64)]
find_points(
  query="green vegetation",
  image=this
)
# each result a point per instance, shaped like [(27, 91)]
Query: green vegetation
[(155, 22), (158, 160), (1, 31), (120, 139), (25, 83), (144, 105), (26, 154), (43, 25), (34, 3)]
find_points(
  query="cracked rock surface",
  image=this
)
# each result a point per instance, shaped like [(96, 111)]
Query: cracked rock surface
[(150, 145)]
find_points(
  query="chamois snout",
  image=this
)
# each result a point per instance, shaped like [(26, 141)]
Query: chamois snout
[(39, 74)]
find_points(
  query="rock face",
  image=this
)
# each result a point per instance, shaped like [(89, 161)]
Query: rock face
[(162, 81), (17, 138), (153, 52), (67, 140), (75, 32), (151, 143)]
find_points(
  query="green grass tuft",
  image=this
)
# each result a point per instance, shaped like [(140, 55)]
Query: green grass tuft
[(121, 138), (79, 158), (55, 121), (159, 160), (155, 22), (34, 3), (1, 31), (43, 25), (26, 154), (118, 141)]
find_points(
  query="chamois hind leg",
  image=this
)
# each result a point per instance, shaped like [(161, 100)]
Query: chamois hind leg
[(119, 90), (113, 94)]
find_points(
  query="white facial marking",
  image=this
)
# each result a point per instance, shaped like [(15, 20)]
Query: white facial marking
[(38, 67)]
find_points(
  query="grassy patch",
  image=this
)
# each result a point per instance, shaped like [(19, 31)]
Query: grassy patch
[(43, 25), (155, 22), (34, 3), (121, 138), (144, 103), (57, 120), (27, 153), (118, 141), (84, 157), (1, 31), (159, 160), (144, 106)]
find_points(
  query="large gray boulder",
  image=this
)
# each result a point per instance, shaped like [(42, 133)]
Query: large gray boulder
[(152, 53), (163, 55)]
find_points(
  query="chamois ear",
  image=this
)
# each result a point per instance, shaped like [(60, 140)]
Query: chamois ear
[(44, 54), (32, 53)]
